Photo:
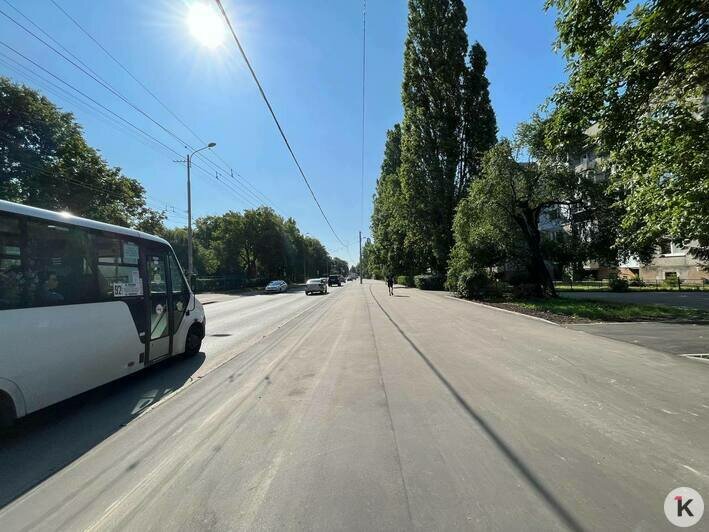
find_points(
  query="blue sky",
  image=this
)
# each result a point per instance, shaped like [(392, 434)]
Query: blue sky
[(308, 56)]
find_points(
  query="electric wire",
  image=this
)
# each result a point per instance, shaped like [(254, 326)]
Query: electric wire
[(275, 119)]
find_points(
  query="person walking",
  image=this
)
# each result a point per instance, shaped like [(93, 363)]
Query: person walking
[(390, 284)]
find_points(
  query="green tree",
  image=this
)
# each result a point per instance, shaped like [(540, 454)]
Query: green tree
[(257, 243), (431, 159), (389, 215), (339, 266), (432, 97), (45, 162), (499, 221), (479, 131), (370, 267), (641, 76), (317, 258)]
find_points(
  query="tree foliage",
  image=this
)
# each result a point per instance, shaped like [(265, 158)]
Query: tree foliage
[(498, 223), (256, 243), (433, 156), (389, 216), (641, 75), (45, 162)]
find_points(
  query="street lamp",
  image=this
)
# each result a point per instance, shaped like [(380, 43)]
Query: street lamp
[(190, 268)]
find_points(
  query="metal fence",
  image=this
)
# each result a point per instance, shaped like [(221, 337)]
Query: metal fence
[(635, 285)]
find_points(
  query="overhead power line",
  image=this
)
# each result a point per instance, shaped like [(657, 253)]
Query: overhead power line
[(107, 86), (117, 119), (275, 119), (63, 94), (259, 196), (364, 74), (123, 67), (137, 128), (115, 115)]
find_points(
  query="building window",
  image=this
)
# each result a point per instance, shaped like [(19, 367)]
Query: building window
[(671, 276)]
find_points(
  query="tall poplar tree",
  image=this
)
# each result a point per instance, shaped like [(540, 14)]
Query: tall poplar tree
[(479, 132), (434, 69)]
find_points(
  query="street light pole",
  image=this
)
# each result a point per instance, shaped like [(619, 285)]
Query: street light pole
[(190, 264), (360, 257)]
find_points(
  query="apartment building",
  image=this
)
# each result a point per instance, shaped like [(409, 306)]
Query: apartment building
[(670, 262)]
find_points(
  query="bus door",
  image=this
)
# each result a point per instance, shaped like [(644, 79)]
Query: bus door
[(158, 302)]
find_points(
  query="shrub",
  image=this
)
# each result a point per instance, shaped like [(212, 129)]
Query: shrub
[(474, 284), (429, 282), (636, 281), (618, 284), (672, 283), (406, 280)]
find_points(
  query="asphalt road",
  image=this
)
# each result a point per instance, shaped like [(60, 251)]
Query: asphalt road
[(370, 412)]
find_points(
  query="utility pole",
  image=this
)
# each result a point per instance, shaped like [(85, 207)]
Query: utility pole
[(190, 262), (360, 257), (189, 220)]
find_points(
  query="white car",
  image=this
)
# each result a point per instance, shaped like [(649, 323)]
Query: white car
[(276, 287), (319, 284)]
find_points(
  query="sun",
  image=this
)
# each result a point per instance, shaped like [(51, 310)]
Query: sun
[(205, 25)]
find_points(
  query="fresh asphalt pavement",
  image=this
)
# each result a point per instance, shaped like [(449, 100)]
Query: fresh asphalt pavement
[(675, 338), (370, 412), (45, 442)]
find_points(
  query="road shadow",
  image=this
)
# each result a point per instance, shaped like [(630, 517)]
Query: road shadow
[(296, 288), (46, 441), (514, 459)]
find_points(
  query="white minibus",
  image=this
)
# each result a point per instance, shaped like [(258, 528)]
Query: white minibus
[(83, 303)]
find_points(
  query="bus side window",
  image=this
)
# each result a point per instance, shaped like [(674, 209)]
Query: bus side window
[(180, 291), (178, 282), (59, 262), (118, 268), (13, 283)]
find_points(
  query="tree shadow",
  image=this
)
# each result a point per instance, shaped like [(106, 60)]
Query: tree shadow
[(46, 441)]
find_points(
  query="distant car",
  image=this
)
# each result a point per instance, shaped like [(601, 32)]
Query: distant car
[(277, 287), (343, 280), (334, 280), (318, 285)]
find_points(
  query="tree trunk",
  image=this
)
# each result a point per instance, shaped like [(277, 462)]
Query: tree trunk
[(529, 224)]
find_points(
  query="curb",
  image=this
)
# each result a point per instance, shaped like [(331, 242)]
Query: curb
[(506, 310)]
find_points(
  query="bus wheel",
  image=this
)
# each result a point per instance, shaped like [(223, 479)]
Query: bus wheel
[(7, 411), (193, 342)]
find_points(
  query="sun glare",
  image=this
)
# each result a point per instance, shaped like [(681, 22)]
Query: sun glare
[(205, 25)]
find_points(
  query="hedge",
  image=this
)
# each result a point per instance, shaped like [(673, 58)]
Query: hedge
[(406, 280), (430, 282)]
